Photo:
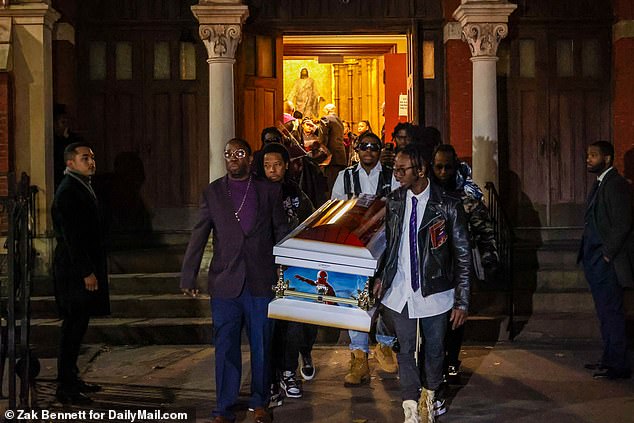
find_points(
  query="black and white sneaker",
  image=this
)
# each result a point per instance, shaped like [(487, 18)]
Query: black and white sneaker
[(453, 374), (307, 369), (440, 407), (290, 385), (277, 398)]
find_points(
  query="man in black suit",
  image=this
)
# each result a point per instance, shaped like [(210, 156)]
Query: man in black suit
[(332, 137), (607, 254), (247, 219), (80, 267)]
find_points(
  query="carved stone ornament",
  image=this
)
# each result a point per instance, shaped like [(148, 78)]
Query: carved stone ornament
[(221, 40), (484, 38)]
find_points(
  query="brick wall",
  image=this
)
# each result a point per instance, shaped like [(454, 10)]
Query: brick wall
[(623, 95), (459, 86), (459, 97)]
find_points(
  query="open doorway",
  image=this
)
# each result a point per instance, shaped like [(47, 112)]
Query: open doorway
[(358, 74)]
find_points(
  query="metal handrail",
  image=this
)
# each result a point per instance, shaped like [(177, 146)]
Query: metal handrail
[(504, 238), (15, 345)]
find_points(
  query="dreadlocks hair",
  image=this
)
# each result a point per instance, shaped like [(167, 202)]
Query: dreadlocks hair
[(446, 148), (416, 153)]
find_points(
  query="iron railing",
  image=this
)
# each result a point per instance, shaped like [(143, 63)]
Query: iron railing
[(19, 208), (504, 239)]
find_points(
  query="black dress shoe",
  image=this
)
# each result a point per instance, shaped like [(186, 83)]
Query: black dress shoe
[(613, 374), (595, 366), (87, 388), (72, 396)]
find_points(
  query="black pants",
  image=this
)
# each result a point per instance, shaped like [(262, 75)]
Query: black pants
[(74, 328), (289, 340), (453, 343)]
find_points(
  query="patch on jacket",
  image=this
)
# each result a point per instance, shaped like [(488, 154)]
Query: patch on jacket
[(438, 234)]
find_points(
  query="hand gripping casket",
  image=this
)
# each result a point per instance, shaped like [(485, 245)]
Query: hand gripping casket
[(326, 263)]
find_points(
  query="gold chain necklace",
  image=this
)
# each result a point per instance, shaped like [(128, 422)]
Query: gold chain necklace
[(244, 199)]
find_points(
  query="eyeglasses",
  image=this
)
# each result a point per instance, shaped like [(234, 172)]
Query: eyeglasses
[(441, 166), (369, 146), (237, 154), (400, 171)]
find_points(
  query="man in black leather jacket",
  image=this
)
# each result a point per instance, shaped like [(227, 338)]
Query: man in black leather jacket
[(423, 279)]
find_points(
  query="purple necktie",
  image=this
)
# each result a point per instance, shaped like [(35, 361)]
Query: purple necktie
[(413, 246)]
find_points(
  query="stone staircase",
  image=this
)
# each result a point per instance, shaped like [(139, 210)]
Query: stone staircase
[(551, 291), (148, 307)]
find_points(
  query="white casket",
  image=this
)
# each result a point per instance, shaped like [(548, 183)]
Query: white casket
[(326, 264)]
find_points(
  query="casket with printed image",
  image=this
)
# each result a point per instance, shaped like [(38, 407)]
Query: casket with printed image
[(326, 263)]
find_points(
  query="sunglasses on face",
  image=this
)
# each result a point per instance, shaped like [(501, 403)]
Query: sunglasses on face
[(441, 166), (369, 146), (238, 154)]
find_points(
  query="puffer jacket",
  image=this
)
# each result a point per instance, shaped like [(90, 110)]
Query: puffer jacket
[(445, 267)]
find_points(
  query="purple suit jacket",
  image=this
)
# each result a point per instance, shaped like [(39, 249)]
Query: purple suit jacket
[(238, 258)]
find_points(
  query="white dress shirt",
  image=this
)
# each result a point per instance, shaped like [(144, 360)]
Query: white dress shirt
[(367, 181), (400, 291), (602, 175)]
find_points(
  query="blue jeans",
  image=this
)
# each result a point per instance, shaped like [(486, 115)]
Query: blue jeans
[(228, 315), (359, 341), (433, 330)]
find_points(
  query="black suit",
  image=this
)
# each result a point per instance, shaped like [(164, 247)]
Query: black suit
[(80, 251), (608, 234), (332, 137)]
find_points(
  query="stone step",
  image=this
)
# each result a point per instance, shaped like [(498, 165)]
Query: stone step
[(554, 255), (550, 279), (546, 326), (131, 283), (527, 302), (163, 259), (198, 330), (137, 306)]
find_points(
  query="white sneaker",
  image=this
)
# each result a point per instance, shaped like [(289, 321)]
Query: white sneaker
[(410, 408)]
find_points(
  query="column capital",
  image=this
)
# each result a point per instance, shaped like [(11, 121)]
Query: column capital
[(484, 39), (221, 41), (31, 13), (484, 24), (221, 27)]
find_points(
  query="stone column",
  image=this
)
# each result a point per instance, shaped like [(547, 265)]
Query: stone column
[(221, 31), (484, 24), (30, 62)]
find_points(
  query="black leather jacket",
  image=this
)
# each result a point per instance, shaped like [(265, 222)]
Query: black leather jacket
[(442, 268)]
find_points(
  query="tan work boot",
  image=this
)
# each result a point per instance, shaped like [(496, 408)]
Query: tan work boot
[(426, 406), (359, 370), (385, 356)]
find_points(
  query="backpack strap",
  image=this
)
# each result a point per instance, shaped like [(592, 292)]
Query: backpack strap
[(384, 185), (357, 182)]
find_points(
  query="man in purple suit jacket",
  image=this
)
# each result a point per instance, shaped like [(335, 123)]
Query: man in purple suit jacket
[(246, 217)]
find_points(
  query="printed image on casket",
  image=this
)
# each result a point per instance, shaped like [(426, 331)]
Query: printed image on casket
[(325, 283), (326, 263)]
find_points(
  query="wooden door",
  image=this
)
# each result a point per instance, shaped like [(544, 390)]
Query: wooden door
[(143, 104), (558, 104), (259, 72)]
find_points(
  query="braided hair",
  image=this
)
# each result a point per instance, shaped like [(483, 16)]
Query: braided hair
[(417, 155)]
